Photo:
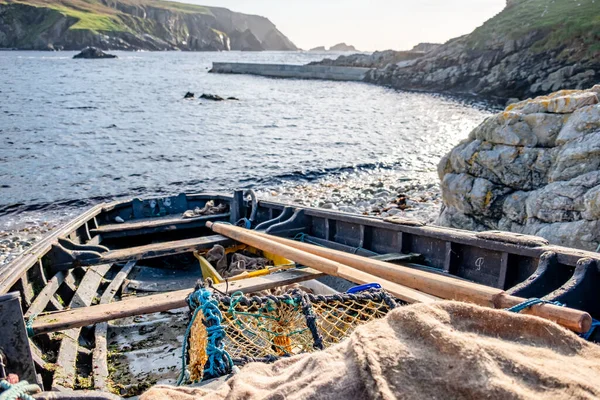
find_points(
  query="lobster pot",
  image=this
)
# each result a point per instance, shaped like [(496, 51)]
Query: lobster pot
[(265, 328)]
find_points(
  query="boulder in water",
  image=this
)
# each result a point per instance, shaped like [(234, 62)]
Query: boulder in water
[(212, 97), (189, 95), (93, 53)]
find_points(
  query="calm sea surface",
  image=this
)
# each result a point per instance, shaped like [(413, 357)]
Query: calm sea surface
[(77, 132)]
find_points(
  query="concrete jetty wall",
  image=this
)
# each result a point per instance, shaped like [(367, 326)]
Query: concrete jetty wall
[(326, 72)]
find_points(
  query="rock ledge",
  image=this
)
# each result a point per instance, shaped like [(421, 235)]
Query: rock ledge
[(532, 169)]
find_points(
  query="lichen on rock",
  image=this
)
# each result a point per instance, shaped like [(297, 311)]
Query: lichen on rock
[(533, 169)]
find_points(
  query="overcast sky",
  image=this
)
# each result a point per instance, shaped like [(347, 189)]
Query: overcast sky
[(368, 25)]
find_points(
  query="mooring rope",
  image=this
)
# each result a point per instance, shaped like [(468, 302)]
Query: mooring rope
[(530, 303), (29, 325)]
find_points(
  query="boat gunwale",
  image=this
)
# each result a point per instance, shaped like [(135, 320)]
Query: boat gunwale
[(566, 255)]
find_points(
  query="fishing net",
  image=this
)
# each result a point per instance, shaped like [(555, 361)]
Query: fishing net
[(234, 330)]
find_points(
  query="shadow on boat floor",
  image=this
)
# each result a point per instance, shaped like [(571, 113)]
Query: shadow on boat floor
[(145, 350)]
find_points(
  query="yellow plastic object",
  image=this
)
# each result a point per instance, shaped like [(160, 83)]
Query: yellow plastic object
[(208, 271)]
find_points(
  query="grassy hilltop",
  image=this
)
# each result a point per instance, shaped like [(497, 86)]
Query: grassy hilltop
[(531, 47), (94, 15), (555, 23)]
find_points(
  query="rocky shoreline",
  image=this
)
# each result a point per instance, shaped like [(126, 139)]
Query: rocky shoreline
[(15, 241), (521, 52), (379, 193)]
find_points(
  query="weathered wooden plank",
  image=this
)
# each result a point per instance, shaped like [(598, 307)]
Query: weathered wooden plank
[(63, 320), (24, 288), (14, 341), (448, 258), (41, 301), (37, 274), (155, 225), (65, 374), (99, 360), (159, 249), (503, 270)]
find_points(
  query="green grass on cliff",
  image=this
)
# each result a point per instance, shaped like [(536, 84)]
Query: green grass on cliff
[(562, 22), (95, 16), (93, 21)]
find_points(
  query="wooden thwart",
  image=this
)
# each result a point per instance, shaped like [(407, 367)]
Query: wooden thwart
[(63, 320), (161, 249), (155, 225)]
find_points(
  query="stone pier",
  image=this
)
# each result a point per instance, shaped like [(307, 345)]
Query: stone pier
[(324, 72)]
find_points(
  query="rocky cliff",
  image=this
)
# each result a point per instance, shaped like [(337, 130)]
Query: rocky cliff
[(532, 169), (532, 47), (133, 25), (379, 59)]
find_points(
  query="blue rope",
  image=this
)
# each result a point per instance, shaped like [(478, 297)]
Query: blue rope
[(17, 391), (219, 361), (531, 302), (29, 326), (588, 334), (247, 223)]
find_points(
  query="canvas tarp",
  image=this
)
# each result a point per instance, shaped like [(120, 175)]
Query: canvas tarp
[(445, 350)]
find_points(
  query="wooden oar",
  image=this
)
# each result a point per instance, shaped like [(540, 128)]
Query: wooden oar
[(426, 282), (321, 264)]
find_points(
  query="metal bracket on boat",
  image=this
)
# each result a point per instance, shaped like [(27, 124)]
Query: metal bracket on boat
[(548, 277), (581, 290), (237, 208), (14, 342), (285, 214), (66, 255), (404, 221), (290, 227), (513, 238)]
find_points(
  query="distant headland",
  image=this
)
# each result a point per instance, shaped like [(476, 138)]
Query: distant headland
[(337, 47), (133, 25)]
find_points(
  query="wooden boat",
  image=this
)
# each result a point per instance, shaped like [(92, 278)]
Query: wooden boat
[(116, 278)]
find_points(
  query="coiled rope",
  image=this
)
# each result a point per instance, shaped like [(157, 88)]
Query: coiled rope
[(219, 361), (17, 391)]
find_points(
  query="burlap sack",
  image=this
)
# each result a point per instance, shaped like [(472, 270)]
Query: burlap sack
[(446, 350)]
